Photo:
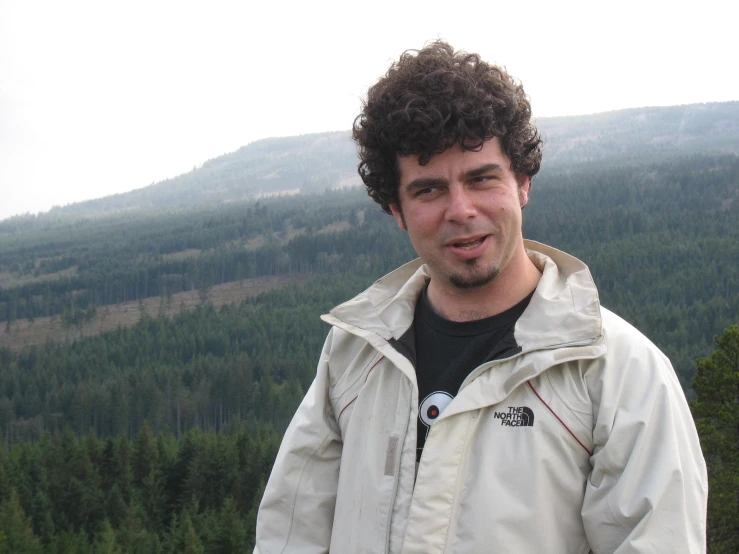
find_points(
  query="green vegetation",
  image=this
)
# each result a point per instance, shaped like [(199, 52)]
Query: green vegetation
[(716, 413), (129, 258), (209, 369), (661, 240), (151, 494)]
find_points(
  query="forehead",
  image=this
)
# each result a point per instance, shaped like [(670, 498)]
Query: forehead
[(452, 162)]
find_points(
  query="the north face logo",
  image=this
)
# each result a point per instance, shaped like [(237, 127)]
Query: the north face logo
[(521, 416)]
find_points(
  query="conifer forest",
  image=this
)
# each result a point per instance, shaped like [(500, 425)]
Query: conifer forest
[(156, 432)]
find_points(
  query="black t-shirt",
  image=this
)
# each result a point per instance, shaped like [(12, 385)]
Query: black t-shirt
[(447, 351)]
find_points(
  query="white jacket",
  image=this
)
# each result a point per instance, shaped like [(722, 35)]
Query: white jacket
[(581, 442)]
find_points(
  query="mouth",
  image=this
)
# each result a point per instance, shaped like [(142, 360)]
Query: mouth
[(467, 244)]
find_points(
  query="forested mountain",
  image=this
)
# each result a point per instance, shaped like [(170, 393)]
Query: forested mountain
[(158, 437), (314, 163)]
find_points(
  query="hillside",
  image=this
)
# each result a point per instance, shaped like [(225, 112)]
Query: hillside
[(627, 136), (314, 163)]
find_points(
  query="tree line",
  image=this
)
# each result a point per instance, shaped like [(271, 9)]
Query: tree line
[(155, 494)]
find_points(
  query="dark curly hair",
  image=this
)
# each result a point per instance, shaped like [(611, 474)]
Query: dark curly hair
[(435, 98)]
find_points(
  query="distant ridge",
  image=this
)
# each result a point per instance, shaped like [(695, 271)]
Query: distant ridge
[(316, 162), (650, 132)]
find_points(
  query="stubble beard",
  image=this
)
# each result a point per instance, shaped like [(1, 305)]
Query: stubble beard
[(476, 280)]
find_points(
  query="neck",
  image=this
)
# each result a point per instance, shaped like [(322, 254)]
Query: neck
[(515, 283)]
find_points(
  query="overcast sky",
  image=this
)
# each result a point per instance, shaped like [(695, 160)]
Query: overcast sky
[(98, 97)]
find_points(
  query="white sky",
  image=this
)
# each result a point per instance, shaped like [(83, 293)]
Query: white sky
[(100, 97)]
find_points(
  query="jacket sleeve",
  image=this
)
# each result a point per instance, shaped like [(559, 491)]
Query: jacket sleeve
[(297, 509), (647, 491)]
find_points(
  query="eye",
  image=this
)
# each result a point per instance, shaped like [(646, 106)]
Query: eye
[(427, 191), (482, 179)]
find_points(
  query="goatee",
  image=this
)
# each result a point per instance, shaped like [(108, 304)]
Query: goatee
[(474, 280)]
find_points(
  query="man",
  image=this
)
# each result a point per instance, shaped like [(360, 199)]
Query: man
[(479, 399)]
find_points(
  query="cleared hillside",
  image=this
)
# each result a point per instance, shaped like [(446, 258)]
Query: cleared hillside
[(41, 330)]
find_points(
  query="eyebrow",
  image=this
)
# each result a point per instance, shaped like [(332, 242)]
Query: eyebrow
[(424, 182), (482, 170)]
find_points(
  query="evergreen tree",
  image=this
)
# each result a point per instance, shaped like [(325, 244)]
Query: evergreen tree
[(74, 488), (716, 412), (106, 542), (145, 454), (152, 498), (230, 534), (115, 505), (250, 523), (133, 536), (183, 539), (178, 494), (5, 481), (16, 531), (69, 542)]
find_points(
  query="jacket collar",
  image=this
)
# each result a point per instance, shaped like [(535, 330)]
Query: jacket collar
[(564, 309), (386, 308)]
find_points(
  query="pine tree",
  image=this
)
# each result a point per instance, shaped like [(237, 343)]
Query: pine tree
[(132, 535), (115, 505), (152, 498), (16, 531), (106, 542), (183, 538), (230, 535), (716, 412), (177, 479), (69, 542), (250, 522), (5, 478), (74, 489), (145, 454)]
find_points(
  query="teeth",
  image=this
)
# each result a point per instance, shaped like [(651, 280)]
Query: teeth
[(468, 245)]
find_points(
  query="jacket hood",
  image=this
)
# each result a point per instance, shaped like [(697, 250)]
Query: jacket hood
[(386, 308), (565, 307)]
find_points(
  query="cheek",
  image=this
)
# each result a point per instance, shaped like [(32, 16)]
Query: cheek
[(420, 221)]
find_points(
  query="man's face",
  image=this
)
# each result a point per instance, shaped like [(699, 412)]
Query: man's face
[(462, 212)]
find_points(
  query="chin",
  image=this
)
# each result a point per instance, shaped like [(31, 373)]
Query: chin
[(475, 279)]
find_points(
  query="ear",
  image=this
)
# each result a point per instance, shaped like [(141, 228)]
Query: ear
[(398, 215), (524, 185)]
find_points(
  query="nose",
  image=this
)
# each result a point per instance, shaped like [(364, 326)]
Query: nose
[(461, 206)]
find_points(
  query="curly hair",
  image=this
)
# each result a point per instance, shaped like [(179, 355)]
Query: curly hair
[(435, 98)]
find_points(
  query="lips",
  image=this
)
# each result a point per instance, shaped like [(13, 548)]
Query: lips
[(468, 247), (468, 244)]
